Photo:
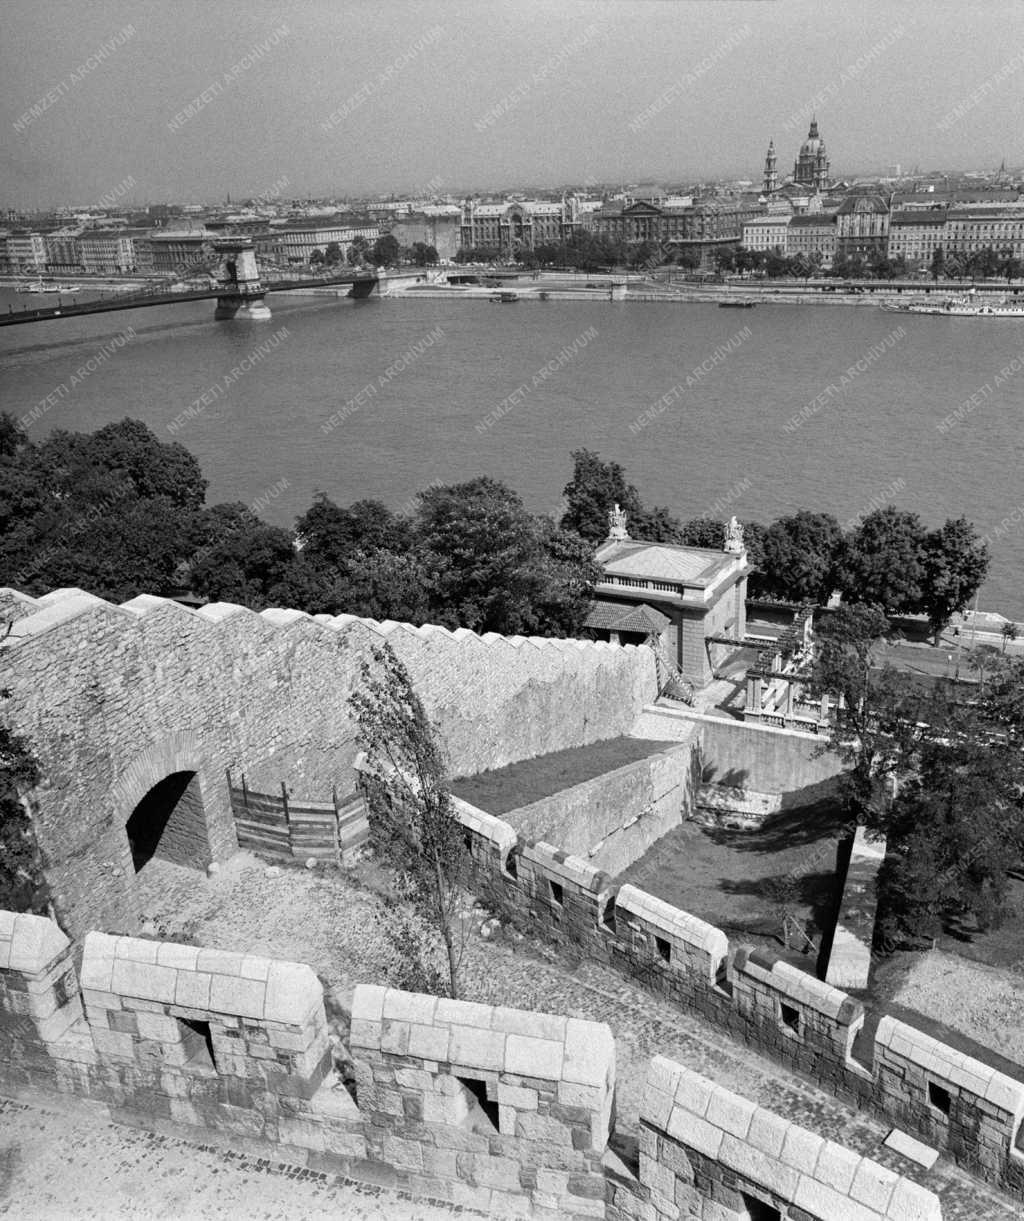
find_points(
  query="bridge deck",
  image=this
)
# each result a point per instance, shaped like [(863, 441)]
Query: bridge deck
[(145, 299)]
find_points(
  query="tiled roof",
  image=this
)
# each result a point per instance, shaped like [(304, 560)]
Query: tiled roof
[(614, 617)]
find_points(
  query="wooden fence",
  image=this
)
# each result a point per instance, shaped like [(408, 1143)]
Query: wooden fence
[(283, 827)]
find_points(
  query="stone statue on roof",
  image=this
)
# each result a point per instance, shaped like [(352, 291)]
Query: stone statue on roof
[(617, 523), (734, 537)]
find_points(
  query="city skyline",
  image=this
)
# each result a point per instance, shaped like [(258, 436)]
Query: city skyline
[(196, 101)]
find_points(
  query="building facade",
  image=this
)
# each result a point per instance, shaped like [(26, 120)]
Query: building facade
[(766, 233), (703, 227), (915, 236), (519, 225), (681, 599), (813, 235), (862, 227)]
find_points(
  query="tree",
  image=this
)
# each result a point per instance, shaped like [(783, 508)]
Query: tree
[(937, 266), (481, 546), (333, 254), (410, 808), (702, 532), (595, 487), (423, 255), (243, 564), (954, 832), (955, 564), (884, 561), (801, 557), (385, 250), (358, 251), (1009, 634), (876, 713), (317, 259), (22, 884)]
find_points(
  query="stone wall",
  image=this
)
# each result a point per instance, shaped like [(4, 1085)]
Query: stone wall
[(849, 954), (116, 698), (706, 1152), (614, 818), (500, 1110), (751, 757), (804, 1023)]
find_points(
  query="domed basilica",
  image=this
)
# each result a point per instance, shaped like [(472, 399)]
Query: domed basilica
[(810, 168)]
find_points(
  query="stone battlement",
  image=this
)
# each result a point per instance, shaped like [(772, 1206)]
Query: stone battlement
[(498, 1109), (119, 700), (971, 1110)]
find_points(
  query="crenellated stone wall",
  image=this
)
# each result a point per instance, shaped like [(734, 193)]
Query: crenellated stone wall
[(508, 1112), (972, 1111), (116, 699)]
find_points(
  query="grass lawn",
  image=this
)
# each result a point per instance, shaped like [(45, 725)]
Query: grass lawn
[(507, 788), (744, 881)]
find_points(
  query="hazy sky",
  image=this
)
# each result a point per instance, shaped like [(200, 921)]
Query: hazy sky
[(344, 96)]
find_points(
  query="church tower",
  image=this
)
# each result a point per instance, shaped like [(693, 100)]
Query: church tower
[(812, 165), (771, 174)]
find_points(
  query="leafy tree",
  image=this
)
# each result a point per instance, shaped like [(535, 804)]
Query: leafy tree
[(245, 564), (410, 809), (330, 533), (1009, 634), (317, 258), (937, 266), (22, 884), (358, 251), (875, 715), (481, 546), (385, 250), (333, 254), (954, 832), (423, 255), (884, 561), (955, 564), (702, 532), (595, 487), (801, 556)]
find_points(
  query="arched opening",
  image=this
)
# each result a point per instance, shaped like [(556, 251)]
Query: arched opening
[(170, 823)]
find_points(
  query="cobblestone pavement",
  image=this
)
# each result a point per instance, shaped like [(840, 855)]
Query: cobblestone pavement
[(67, 1165), (320, 918)]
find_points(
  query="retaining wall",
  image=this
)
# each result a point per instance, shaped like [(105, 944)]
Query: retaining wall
[(796, 1019), (116, 698), (766, 761), (500, 1110), (614, 818)]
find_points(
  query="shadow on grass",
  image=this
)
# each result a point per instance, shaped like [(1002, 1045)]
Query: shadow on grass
[(788, 829)]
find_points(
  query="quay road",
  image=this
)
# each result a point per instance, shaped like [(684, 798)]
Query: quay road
[(163, 296)]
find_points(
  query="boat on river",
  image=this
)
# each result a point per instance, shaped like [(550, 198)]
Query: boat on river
[(964, 305)]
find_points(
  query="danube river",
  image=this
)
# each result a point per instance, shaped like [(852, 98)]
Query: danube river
[(711, 411)]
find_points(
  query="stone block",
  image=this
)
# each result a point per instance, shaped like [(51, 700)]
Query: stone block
[(524, 1021), (497, 1172), (767, 1132), (744, 1159), (873, 1185), (477, 1048), (730, 1112), (836, 1166), (532, 1126), (535, 1057), (156, 1026), (368, 1003), (402, 1154), (517, 1096), (394, 1038), (589, 1053), (801, 1149), (293, 992), (181, 957), (463, 1013), (409, 1007), (113, 1045), (143, 979), (232, 994), (428, 1042)]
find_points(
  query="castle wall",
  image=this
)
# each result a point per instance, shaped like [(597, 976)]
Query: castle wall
[(972, 1111), (706, 1152), (500, 1110), (116, 698)]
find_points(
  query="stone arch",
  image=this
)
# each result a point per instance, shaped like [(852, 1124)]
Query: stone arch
[(160, 805)]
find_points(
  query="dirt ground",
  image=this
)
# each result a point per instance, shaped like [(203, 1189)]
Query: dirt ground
[(744, 881), (983, 1002), (520, 784)]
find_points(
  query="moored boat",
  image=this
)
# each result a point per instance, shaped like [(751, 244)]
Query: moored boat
[(964, 305)]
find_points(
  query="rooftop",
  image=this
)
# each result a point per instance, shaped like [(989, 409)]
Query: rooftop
[(699, 566)]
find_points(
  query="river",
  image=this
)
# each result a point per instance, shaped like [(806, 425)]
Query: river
[(753, 412)]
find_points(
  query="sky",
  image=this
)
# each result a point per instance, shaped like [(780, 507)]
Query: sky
[(188, 100)]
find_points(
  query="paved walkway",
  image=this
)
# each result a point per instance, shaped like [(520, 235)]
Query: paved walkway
[(61, 1163), (320, 918)]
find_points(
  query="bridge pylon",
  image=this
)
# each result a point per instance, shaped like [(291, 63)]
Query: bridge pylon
[(239, 276)]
